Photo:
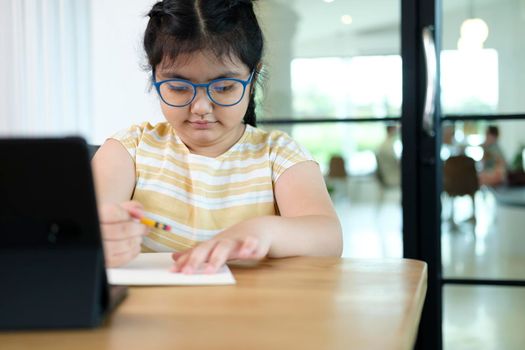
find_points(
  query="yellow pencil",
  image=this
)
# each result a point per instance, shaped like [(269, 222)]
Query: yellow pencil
[(152, 223)]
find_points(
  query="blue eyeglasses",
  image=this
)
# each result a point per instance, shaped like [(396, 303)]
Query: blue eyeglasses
[(223, 92)]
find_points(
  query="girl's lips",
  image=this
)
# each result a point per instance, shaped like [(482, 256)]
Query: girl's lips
[(202, 124)]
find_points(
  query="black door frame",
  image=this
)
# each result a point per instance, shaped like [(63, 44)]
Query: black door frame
[(422, 168), (421, 183)]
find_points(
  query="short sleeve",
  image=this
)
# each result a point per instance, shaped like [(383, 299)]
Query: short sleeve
[(130, 138), (284, 153)]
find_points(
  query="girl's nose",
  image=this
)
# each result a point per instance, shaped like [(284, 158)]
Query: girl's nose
[(201, 104)]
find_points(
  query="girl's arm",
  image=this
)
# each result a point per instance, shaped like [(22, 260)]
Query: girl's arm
[(308, 225), (114, 174)]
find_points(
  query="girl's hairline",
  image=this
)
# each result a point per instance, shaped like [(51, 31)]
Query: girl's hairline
[(171, 61)]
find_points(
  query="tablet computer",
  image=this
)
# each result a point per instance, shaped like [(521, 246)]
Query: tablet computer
[(52, 269)]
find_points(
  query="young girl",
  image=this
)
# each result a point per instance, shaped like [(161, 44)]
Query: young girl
[(227, 189)]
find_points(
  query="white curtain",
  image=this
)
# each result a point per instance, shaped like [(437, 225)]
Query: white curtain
[(45, 67)]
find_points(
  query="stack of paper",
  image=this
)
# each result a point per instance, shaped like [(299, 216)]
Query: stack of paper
[(153, 269)]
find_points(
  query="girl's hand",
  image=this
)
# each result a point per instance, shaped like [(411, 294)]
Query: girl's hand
[(121, 234), (211, 255)]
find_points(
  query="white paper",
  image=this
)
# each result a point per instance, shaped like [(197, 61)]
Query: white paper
[(153, 269)]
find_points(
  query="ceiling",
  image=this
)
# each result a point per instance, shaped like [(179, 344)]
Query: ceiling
[(318, 19)]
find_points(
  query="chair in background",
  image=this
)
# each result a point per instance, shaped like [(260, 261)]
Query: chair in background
[(460, 178), (337, 175), (337, 167)]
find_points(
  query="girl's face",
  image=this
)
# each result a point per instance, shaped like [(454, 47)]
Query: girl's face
[(206, 128)]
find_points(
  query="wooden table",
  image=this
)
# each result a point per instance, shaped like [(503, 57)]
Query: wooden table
[(294, 303)]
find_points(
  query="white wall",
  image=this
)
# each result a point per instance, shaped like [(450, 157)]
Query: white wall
[(73, 67), (120, 95), (279, 24)]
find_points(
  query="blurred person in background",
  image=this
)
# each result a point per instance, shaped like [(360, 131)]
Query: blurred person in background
[(388, 164), (493, 169)]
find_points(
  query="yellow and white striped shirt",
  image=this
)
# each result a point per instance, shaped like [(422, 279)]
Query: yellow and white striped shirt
[(200, 196)]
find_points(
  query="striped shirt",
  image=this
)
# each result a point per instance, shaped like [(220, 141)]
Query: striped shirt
[(199, 196)]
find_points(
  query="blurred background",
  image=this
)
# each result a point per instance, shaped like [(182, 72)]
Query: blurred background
[(333, 80)]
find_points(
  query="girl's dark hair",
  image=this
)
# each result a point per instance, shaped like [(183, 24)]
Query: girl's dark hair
[(226, 28), (493, 130)]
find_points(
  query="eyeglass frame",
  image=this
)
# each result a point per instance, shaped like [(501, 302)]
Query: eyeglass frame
[(244, 83)]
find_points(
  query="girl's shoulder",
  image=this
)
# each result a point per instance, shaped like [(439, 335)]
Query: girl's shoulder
[(277, 142), (269, 137), (136, 133), (145, 135), (137, 130), (280, 148)]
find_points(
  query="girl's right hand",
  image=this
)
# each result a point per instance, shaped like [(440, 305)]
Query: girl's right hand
[(121, 233)]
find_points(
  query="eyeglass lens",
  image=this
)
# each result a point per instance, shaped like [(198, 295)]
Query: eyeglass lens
[(223, 92)]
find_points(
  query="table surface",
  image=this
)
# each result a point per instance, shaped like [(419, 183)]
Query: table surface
[(292, 303)]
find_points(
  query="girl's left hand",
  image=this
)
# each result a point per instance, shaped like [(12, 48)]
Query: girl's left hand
[(210, 255)]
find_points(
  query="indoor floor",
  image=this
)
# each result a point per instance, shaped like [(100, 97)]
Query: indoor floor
[(492, 246)]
